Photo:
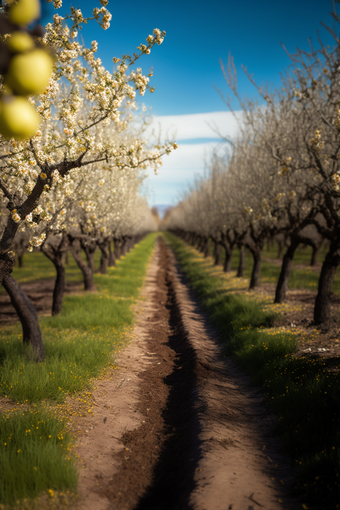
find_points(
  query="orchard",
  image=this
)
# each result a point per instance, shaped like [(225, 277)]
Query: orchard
[(184, 361), (39, 173), (280, 181)]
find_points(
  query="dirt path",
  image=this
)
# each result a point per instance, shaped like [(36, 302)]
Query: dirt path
[(178, 426)]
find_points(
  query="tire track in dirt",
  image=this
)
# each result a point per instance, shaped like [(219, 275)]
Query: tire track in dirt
[(242, 464), (184, 429)]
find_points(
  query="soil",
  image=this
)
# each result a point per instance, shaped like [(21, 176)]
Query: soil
[(177, 426)]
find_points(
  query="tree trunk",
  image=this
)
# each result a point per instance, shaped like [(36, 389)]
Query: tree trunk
[(314, 255), (104, 259), (279, 251), (117, 248), (86, 271), (56, 257), (218, 254), (27, 314), (131, 243), (20, 248), (112, 258), (255, 274), (58, 291), (322, 308), (227, 260), (21, 260), (55, 251), (125, 245), (240, 269), (282, 284), (207, 248), (89, 248)]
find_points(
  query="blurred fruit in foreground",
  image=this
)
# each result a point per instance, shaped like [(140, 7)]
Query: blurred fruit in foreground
[(29, 73), (25, 66), (24, 12), (18, 118), (20, 41)]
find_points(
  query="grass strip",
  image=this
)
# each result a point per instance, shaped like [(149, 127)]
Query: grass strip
[(303, 392), (38, 267), (300, 278), (35, 455), (79, 344)]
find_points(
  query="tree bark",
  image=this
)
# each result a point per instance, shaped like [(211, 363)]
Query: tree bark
[(322, 307), (279, 251), (55, 251), (27, 314), (315, 252), (240, 269), (104, 259), (20, 243), (112, 258), (131, 243), (59, 288), (207, 248), (124, 246), (86, 271), (89, 246), (227, 260), (256, 271), (117, 243), (218, 254), (282, 284)]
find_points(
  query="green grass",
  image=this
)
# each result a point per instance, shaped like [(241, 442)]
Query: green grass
[(38, 267), (35, 455), (304, 392), (79, 344), (299, 278)]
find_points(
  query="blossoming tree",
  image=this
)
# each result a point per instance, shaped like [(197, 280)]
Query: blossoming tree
[(68, 140)]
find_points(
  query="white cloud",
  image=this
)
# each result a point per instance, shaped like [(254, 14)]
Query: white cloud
[(178, 170), (197, 125), (181, 166)]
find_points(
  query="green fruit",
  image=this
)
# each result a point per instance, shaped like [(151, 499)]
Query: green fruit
[(18, 118), (24, 12), (30, 72), (19, 42)]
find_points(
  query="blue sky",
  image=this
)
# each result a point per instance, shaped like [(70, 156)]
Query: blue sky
[(186, 66)]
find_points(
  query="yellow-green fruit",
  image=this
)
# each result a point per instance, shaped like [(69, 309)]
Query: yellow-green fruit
[(30, 72), (19, 42), (24, 12), (18, 118)]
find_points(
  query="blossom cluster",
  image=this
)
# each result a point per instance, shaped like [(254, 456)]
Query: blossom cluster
[(85, 112)]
